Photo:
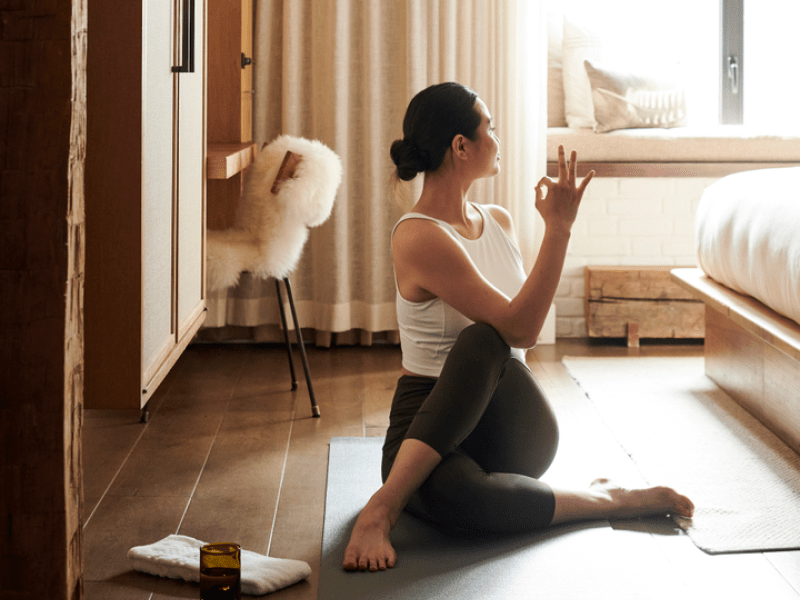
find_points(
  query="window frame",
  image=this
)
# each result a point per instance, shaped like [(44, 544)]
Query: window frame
[(731, 82)]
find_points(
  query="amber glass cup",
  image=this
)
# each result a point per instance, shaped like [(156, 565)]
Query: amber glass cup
[(221, 572)]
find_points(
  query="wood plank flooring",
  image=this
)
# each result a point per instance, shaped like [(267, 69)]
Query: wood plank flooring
[(231, 454)]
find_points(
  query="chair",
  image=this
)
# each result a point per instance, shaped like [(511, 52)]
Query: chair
[(290, 187)]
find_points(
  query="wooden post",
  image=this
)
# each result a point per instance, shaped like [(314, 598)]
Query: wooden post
[(43, 118), (633, 335)]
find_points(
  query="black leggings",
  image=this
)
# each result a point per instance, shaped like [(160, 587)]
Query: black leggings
[(488, 418)]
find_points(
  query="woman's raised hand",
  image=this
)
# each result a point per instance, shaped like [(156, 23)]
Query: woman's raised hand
[(559, 204)]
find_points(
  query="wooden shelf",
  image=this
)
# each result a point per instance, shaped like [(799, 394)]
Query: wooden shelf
[(666, 169), (225, 160)]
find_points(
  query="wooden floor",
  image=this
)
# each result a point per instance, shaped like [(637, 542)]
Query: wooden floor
[(231, 454)]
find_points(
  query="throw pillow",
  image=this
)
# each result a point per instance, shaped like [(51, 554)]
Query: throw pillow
[(627, 100)]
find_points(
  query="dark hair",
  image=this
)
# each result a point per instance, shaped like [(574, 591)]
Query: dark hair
[(434, 117)]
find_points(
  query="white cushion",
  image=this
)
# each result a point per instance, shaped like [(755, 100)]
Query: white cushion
[(555, 70), (580, 43)]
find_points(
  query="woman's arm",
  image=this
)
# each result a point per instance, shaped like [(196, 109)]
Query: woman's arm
[(430, 263)]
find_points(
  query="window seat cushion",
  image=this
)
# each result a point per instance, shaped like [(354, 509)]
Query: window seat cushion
[(714, 144)]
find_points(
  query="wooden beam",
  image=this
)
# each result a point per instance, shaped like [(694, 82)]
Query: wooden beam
[(43, 113), (747, 312)]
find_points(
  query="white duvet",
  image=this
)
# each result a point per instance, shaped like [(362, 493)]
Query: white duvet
[(748, 236)]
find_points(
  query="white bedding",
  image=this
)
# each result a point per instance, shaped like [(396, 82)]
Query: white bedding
[(748, 236)]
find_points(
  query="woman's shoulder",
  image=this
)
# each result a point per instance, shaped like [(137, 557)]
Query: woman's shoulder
[(417, 227), (503, 218)]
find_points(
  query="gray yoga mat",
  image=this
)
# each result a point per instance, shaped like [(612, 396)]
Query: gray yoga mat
[(435, 564), (681, 430)]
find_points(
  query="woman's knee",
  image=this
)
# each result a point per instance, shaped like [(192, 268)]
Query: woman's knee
[(478, 354), (482, 336)]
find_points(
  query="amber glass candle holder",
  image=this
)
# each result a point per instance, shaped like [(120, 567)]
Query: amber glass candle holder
[(221, 572)]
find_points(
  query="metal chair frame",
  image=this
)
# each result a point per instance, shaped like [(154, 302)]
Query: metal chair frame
[(300, 344)]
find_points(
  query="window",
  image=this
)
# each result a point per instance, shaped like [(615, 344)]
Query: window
[(719, 46), (683, 34), (769, 84)]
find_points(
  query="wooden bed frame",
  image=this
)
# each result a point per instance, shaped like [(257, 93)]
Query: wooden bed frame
[(751, 352)]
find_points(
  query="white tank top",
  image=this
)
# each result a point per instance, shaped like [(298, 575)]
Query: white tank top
[(429, 329)]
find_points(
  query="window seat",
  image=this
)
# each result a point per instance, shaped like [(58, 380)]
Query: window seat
[(679, 152)]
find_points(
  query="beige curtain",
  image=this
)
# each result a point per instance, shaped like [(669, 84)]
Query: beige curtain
[(343, 72)]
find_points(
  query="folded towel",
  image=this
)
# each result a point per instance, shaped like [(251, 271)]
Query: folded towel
[(178, 556)]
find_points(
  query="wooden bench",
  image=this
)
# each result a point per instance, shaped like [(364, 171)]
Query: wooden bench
[(639, 302), (751, 352)]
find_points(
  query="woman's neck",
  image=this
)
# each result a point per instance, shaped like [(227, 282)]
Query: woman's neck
[(446, 200), (444, 197)]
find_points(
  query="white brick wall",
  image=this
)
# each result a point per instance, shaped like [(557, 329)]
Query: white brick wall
[(627, 221)]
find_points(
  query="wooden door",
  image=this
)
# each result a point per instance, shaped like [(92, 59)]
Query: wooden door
[(173, 290), (145, 194), (190, 190), (157, 164)]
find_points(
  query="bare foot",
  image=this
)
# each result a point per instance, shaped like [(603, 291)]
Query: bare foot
[(628, 503), (369, 547)]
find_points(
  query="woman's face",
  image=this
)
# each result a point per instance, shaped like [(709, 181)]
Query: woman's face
[(487, 144)]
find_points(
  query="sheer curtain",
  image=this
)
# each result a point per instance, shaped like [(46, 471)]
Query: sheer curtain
[(343, 72)]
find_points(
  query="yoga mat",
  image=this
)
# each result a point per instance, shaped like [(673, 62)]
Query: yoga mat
[(681, 430), (561, 562)]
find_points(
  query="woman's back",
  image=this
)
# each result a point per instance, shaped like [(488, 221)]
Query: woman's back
[(429, 328)]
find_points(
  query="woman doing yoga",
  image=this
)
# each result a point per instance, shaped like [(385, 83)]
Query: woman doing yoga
[(470, 429)]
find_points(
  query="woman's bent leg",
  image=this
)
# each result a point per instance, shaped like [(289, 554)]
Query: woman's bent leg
[(490, 483), (460, 494), (448, 415), (464, 389), (518, 432), (369, 547)]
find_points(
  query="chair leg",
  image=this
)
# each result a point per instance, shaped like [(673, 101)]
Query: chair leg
[(286, 333), (314, 407)]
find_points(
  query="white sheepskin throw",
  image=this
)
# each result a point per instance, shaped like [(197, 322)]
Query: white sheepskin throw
[(270, 229)]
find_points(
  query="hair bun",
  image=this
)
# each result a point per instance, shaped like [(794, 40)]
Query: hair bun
[(410, 159)]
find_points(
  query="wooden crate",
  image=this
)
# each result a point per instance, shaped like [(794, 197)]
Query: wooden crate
[(640, 302)]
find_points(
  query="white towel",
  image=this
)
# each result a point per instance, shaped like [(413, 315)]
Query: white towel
[(178, 556)]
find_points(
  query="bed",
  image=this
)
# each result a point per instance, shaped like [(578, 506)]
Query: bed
[(748, 250)]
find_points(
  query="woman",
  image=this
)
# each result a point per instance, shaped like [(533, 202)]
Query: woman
[(470, 430)]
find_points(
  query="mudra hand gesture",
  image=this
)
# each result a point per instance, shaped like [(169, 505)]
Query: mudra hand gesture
[(559, 204)]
